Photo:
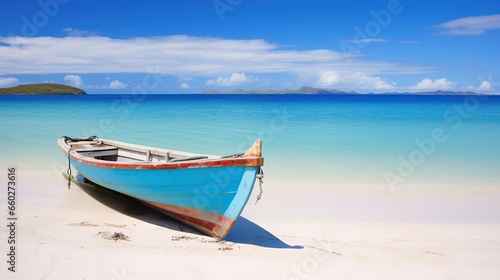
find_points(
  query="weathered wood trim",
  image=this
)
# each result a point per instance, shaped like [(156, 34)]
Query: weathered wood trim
[(210, 162)]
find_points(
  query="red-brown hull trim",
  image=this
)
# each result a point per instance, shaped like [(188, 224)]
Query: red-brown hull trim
[(208, 223)]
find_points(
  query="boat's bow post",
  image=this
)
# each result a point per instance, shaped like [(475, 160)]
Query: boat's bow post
[(255, 150)]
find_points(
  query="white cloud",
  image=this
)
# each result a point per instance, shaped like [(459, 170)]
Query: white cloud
[(8, 82), (356, 81), (78, 32), (225, 62), (485, 86), (74, 80), (175, 55), (117, 85), (185, 86), (235, 79), (367, 82), (103, 86), (470, 25), (429, 84), (470, 88), (328, 78)]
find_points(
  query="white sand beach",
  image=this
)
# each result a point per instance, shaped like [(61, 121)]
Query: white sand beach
[(306, 232)]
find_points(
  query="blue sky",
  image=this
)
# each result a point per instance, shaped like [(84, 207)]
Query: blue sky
[(188, 46)]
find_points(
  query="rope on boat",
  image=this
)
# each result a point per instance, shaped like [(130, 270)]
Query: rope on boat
[(260, 177), (233, 156), (66, 139), (69, 168), (73, 140)]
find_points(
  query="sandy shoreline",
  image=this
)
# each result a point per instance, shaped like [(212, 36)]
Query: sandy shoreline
[(62, 235)]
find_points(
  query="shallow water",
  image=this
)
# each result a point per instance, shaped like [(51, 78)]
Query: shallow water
[(365, 142)]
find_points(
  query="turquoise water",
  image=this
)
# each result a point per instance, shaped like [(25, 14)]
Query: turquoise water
[(338, 141)]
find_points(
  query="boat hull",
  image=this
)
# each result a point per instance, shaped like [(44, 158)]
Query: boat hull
[(210, 199)]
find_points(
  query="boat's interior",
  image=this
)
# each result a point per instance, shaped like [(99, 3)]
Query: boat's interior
[(111, 151)]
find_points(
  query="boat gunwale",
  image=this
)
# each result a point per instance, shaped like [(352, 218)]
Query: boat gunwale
[(211, 161)]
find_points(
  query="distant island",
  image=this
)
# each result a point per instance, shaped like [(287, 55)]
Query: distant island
[(43, 88), (302, 90), (312, 90)]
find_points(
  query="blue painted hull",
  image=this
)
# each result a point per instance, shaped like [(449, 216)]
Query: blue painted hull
[(220, 190)]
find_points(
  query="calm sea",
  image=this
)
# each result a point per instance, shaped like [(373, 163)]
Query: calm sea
[(384, 142)]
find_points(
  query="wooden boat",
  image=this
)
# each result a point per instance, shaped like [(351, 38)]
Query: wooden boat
[(205, 192)]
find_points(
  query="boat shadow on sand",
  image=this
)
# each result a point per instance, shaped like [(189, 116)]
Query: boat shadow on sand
[(248, 232), (243, 232)]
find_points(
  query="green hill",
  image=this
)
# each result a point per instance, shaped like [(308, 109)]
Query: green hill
[(44, 88)]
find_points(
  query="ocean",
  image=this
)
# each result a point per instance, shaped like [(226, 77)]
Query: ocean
[(385, 144)]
